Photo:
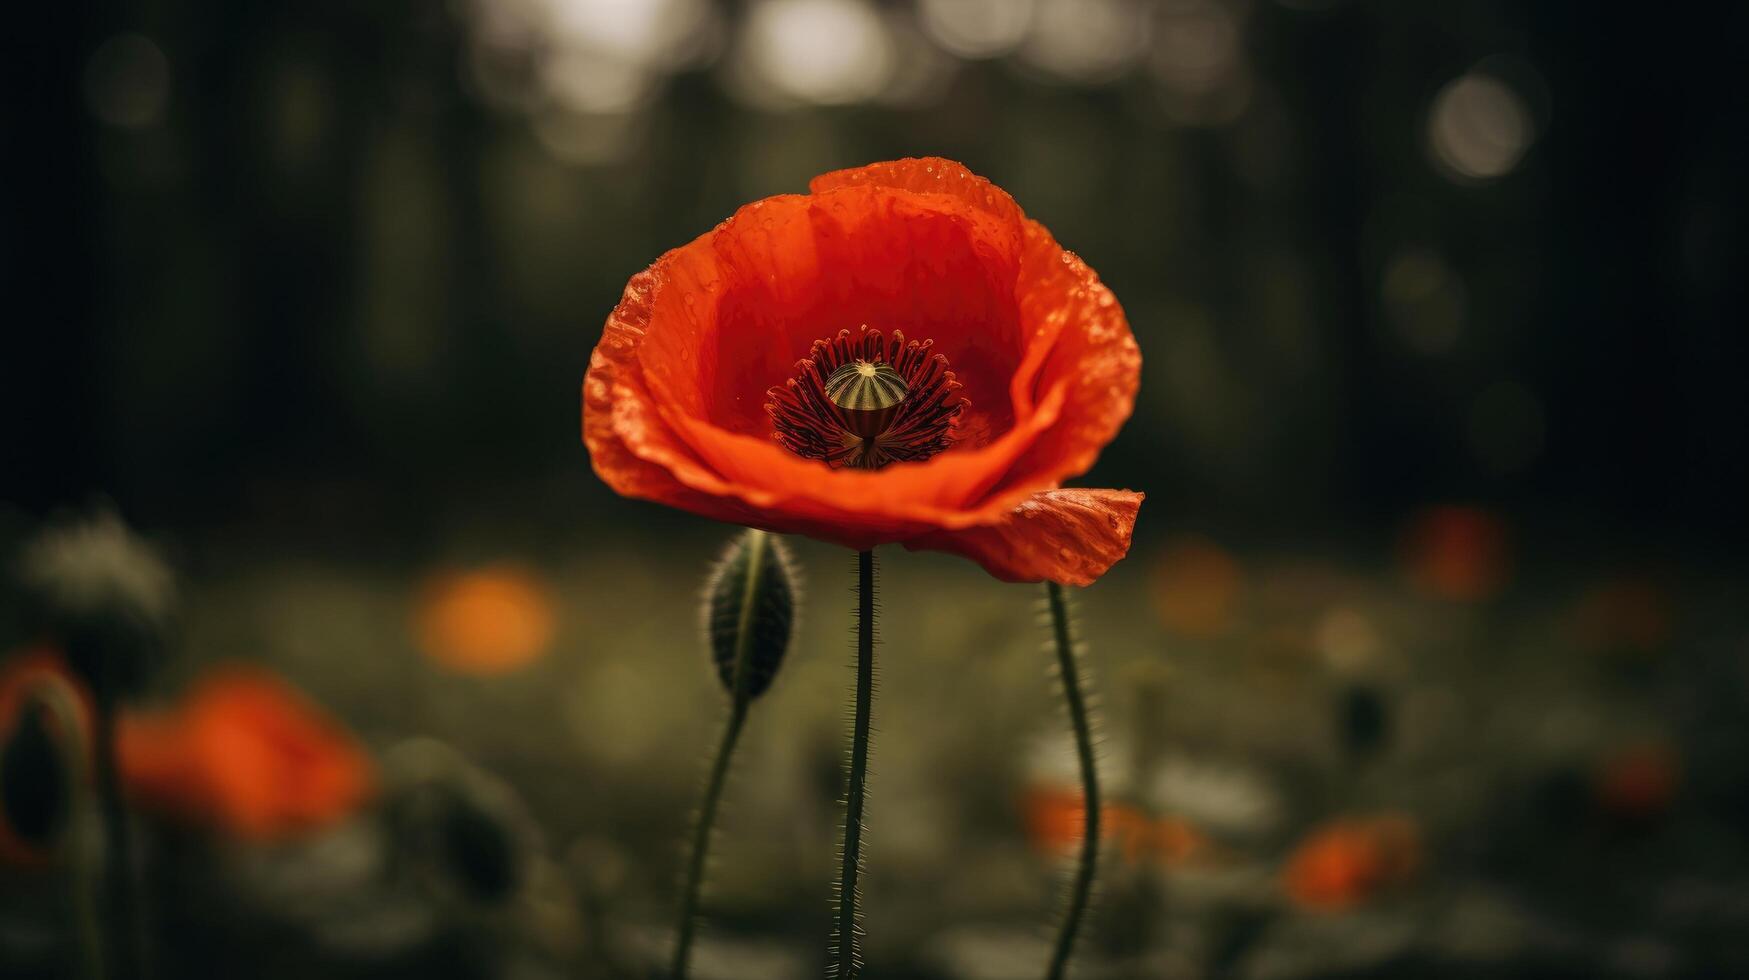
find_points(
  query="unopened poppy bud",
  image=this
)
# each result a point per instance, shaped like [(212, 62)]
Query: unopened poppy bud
[(749, 612), (103, 594), (35, 784)]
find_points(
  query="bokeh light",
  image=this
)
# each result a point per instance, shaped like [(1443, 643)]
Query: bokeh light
[(1457, 552), (660, 33), (1424, 300), (922, 73), (1228, 801), (1479, 128), (586, 82), (487, 620), (1087, 41), (586, 138), (820, 52), (1196, 587), (1350, 860), (1347, 640), (584, 71), (976, 28), (1198, 63), (127, 82)]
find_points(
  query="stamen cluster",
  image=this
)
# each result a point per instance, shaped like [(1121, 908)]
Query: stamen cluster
[(866, 400)]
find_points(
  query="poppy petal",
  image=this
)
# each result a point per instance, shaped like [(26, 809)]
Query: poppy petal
[(1083, 347), (615, 400), (1071, 537), (926, 175), (642, 421)]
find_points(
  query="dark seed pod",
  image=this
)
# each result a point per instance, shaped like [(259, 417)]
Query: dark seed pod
[(35, 786), (868, 394), (749, 607)]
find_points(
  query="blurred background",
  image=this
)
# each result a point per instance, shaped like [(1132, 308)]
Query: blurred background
[(1429, 658)]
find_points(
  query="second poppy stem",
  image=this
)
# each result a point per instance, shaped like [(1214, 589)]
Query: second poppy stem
[(1090, 805), (846, 955)]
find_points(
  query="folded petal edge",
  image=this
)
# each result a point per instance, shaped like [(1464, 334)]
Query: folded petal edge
[(1067, 536)]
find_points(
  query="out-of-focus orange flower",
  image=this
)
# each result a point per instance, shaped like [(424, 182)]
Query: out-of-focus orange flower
[(20, 672), (247, 753), (21, 676), (1349, 860), (1196, 584), (1628, 614), (488, 620), (1457, 553), (1054, 826), (1053, 819), (900, 355), (1639, 782), (1170, 840)]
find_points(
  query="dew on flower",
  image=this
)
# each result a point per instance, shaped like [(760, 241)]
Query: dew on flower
[(867, 489)]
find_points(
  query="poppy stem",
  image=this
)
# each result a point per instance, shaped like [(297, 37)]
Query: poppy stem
[(846, 954), (74, 749), (701, 840), (125, 957), (757, 541), (1082, 890)]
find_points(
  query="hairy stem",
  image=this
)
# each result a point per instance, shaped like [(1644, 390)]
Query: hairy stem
[(73, 749), (707, 814), (125, 959), (1078, 713), (701, 838), (845, 958)]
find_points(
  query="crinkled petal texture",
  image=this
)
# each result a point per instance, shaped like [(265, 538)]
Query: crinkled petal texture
[(674, 400)]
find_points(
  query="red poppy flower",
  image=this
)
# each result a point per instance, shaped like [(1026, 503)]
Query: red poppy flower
[(1055, 824), (1055, 819), (900, 355), (1349, 860), (247, 753)]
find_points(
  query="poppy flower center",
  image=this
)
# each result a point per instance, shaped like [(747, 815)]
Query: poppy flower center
[(865, 400)]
